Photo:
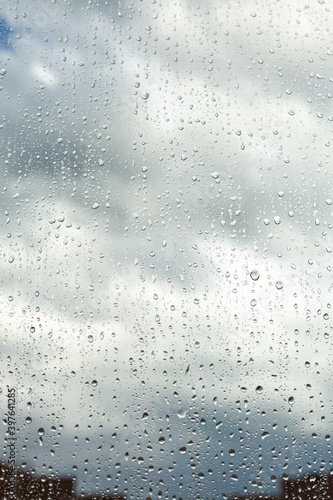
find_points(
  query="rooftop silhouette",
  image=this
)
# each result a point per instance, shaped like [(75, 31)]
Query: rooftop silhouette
[(311, 487), (26, 486)]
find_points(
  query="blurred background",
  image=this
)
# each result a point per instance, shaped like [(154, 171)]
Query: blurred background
[(166, 218)]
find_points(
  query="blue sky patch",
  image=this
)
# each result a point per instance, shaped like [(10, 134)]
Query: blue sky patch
[(5, 32)]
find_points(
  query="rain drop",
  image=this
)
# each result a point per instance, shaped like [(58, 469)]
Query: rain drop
[(181, 413), (255, 275)]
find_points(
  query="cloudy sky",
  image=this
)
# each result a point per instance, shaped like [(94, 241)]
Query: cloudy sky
[(166, 251)]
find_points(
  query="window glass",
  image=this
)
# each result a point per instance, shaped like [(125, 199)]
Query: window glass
[(166, 257)]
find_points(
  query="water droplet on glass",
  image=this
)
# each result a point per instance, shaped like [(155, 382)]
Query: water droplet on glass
[(291, 400), (90, 338), (259, 389), (41, 431), (215, 175), (255, 275), (181, 413), (279, 285)]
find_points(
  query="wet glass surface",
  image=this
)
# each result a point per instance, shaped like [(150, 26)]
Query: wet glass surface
[(166, 256)]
